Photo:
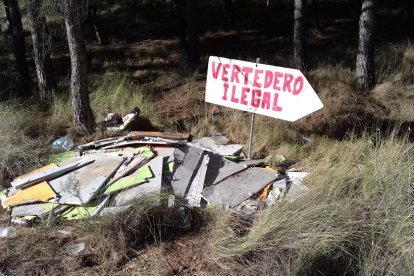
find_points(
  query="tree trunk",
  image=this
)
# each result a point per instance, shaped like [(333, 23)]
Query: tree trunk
[(299, 35), (24, 82), (192, 35), (365, 72), (41, 50), (83, 117)]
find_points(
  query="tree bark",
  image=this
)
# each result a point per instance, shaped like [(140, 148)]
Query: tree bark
[(24, 82), (192, 35), (299, 35), (41, 50), (365, 71), (83, 117)]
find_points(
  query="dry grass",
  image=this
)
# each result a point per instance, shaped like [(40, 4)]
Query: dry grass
[(114, 244), (22, 139), (356, 219)]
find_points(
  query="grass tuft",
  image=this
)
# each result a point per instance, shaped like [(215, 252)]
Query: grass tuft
[(356, 219)]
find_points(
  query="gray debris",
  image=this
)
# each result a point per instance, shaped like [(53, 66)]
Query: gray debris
[(219, 168), (80, 186), (193, 195), (8, 232), (75, 249), (192, 175), (115, 210), (152, 186), (187, 171), (237, 188), (296, 186)]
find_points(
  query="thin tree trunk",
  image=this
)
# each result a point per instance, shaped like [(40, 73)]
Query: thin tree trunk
[(192, 34), (24, 82), (83, 117), (299, 35), (365, 71), (41, 49)]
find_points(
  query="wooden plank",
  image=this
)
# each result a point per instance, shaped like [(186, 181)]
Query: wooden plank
[(39, 192), (153, 185), (78, 187), (137, 143), (42, 169), (136, 135), (237, 188), (48, 174)]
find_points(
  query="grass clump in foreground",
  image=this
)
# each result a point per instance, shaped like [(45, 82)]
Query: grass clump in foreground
[(357, 219)]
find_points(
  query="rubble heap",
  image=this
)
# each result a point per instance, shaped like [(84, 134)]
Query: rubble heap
[(105, 176)]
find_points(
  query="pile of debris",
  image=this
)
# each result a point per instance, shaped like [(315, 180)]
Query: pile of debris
[(105, 176)]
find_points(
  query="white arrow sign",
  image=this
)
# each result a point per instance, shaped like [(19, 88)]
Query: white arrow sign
[(272, 91)]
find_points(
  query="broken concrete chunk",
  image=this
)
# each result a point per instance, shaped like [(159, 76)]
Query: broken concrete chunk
[(235, 189)]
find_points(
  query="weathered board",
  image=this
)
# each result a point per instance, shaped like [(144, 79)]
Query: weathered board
[(153, 185), (186, 172), (78, 187), (193, 195), (237, 188)]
